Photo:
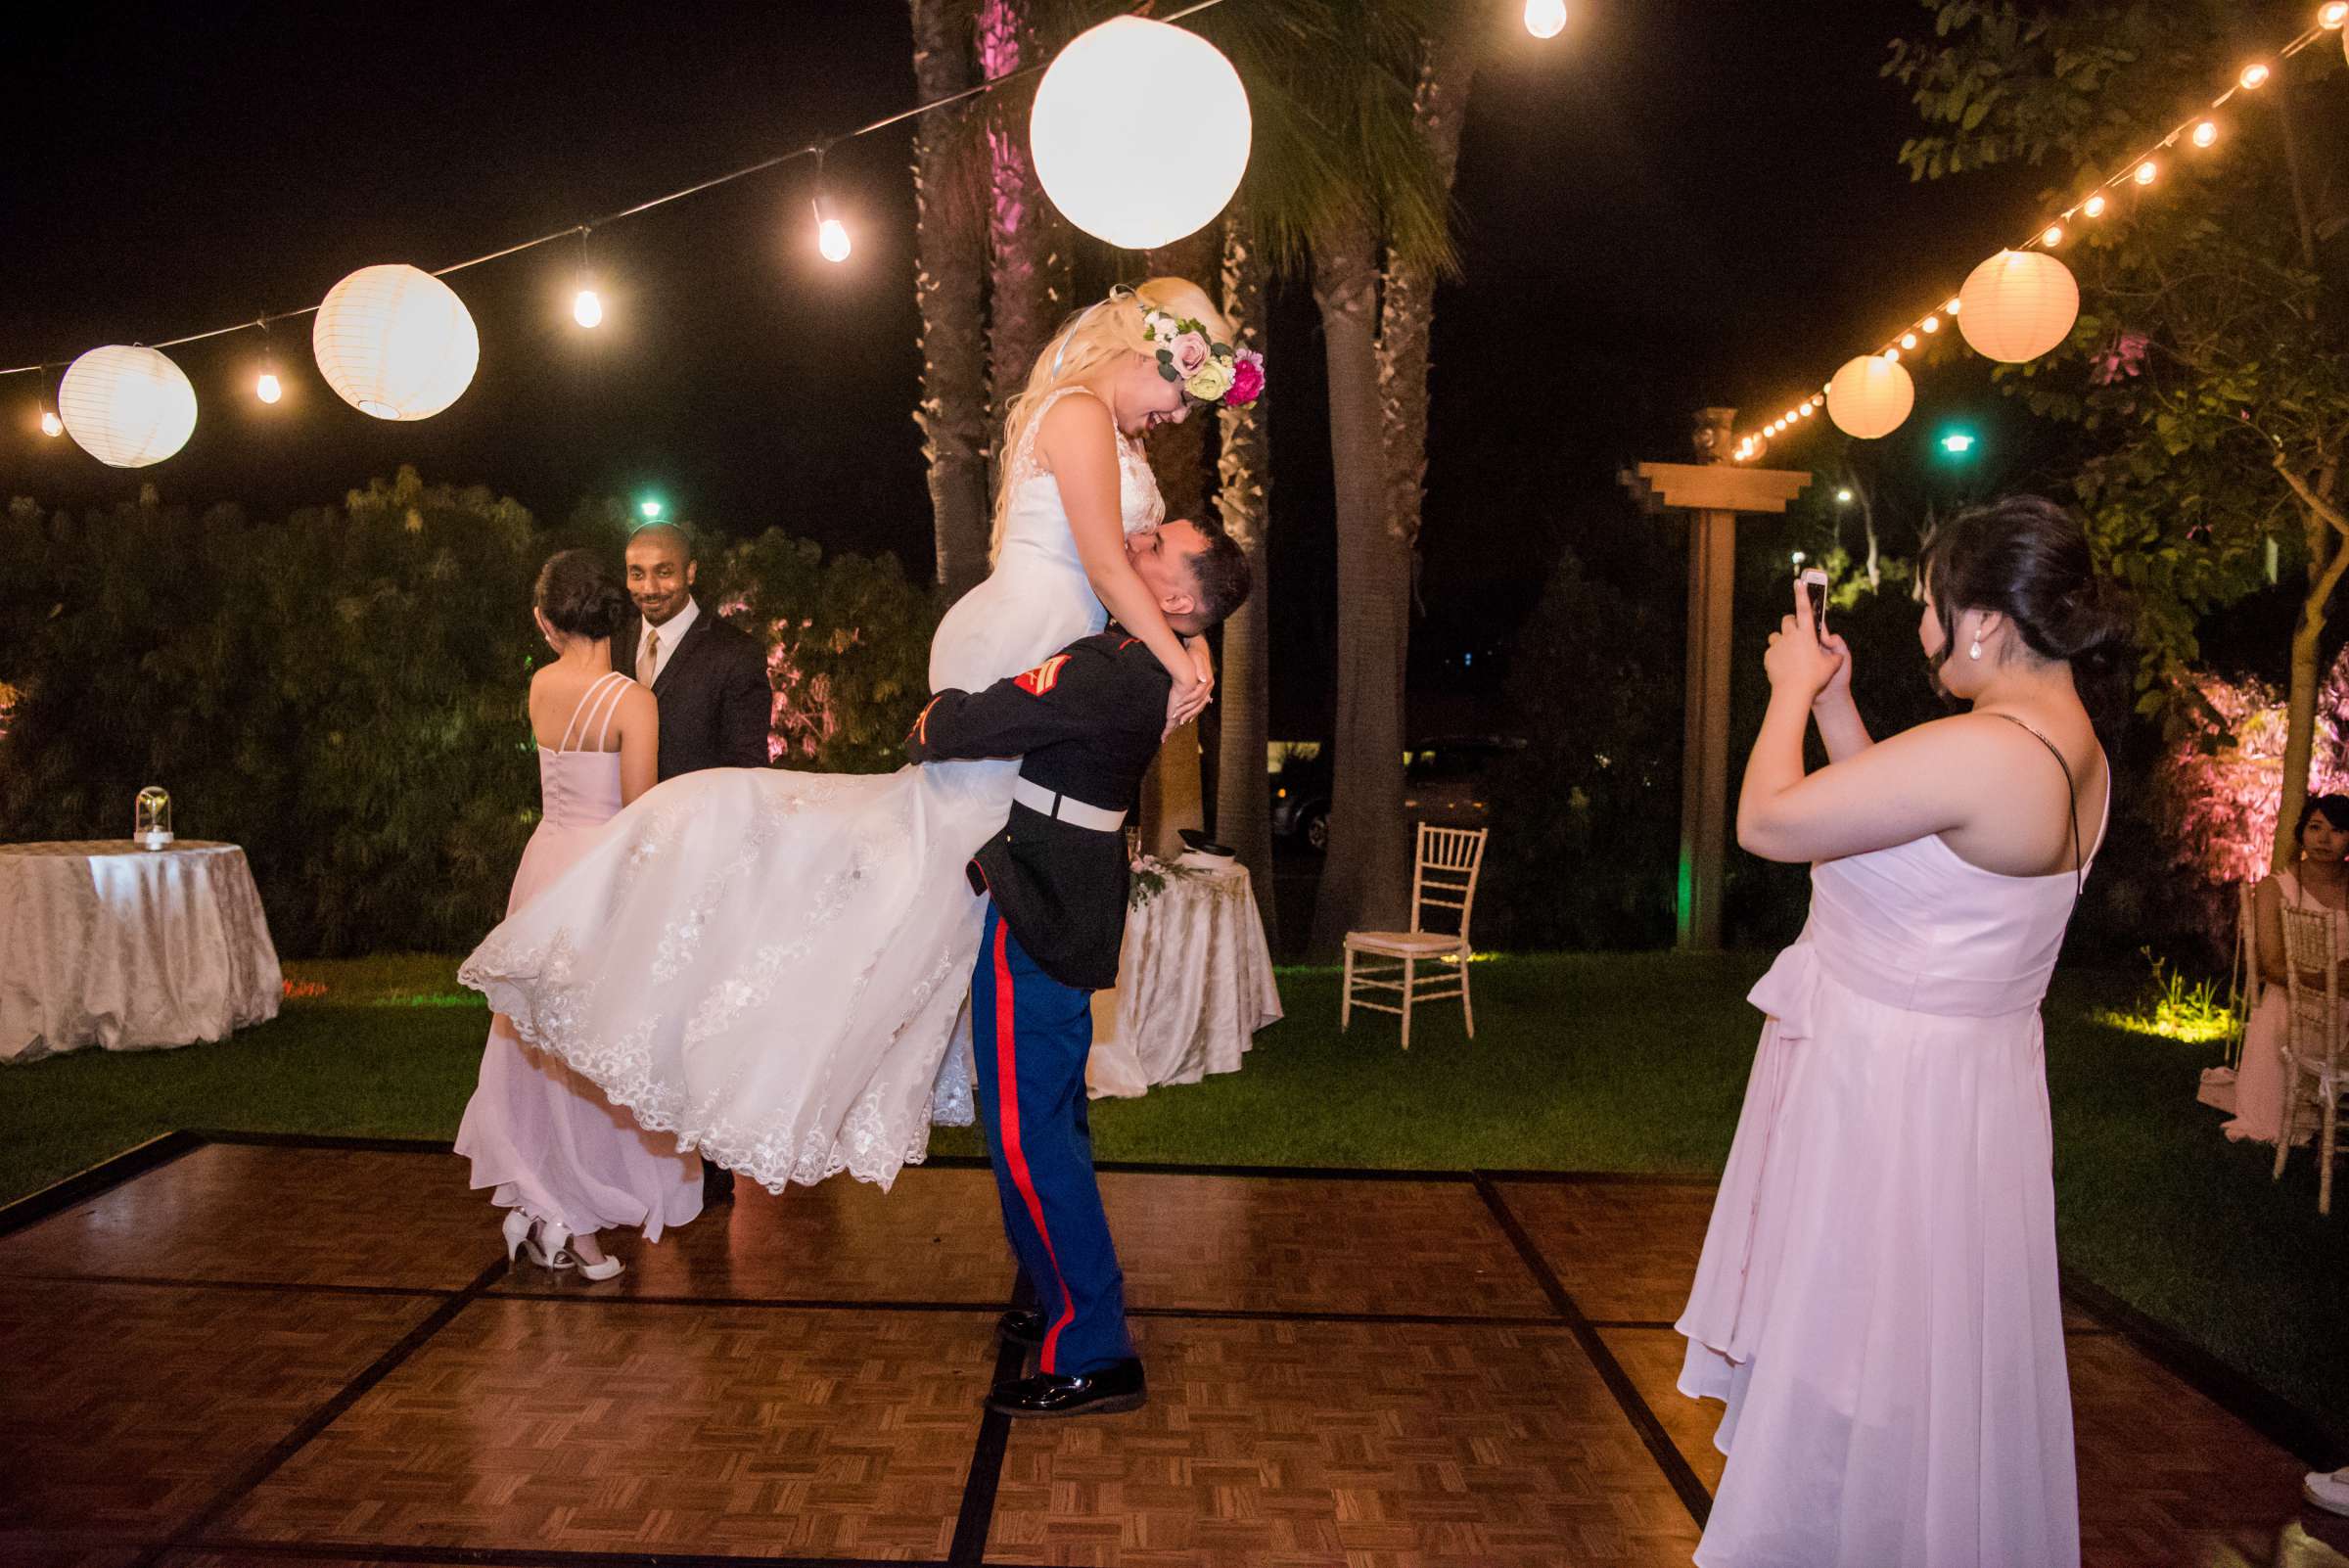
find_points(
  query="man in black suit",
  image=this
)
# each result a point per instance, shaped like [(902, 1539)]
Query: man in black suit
[(708, 678)]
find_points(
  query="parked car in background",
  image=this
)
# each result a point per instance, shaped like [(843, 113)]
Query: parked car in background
[(1445, 782)]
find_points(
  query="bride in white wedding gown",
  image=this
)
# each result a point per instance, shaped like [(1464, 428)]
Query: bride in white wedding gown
[(770, 964)]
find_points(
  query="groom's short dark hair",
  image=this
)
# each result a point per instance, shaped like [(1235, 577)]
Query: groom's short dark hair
[(1220, 573)]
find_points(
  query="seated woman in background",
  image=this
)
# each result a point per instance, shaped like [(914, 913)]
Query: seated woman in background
[(2317, 880)]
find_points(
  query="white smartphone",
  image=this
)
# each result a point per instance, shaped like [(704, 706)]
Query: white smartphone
[(1814, 584)]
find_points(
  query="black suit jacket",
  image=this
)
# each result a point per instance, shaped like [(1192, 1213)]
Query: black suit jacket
[(1085, 724), (714, 699)]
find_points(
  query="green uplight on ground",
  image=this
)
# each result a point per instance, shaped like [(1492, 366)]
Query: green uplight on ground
[(1957, 442), (651, 507)]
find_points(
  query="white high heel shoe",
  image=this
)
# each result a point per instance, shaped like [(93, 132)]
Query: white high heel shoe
[(556, 1241), (543, 1242), (516, 1230)]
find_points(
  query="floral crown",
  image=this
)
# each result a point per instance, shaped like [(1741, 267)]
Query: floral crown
[(1208, 371)]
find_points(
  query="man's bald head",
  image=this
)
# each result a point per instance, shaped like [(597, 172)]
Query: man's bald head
[(660, 570)]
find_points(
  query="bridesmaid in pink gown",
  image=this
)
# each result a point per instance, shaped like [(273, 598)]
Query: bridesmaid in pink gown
[(565, 1162), (1877, 1302)]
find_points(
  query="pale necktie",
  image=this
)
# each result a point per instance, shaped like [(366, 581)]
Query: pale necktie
[(648, 667)]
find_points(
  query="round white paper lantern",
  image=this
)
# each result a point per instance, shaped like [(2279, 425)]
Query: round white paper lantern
[(127, 407), (1140, 132), (2018, 305), (395, 342), (1869, 397)]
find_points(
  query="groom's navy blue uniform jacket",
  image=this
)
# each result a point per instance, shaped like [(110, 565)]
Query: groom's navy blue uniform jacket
[(1085, 724)]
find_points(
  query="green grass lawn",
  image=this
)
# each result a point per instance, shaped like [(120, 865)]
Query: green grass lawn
[(1611, 1062)]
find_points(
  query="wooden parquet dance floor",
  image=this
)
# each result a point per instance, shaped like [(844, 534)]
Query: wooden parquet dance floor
[(220, 1353)]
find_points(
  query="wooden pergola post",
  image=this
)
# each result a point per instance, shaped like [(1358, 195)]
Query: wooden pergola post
[(1712, 491)]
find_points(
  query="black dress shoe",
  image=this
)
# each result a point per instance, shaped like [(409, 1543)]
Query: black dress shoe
[(1020, 1326), (717, 1185), (1116, 1386)]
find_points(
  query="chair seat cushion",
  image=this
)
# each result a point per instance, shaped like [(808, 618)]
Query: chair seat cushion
[(1403, 943)]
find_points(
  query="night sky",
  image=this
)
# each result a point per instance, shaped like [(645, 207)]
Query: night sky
[(1668, 207)]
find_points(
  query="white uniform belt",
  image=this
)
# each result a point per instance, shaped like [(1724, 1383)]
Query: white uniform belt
[(1044, 803)]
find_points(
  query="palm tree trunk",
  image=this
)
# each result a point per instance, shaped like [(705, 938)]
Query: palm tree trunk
[(1365, 877), (2328, 531), (1408, 310), (1027, 256), (1178, 453), (1173, 796), (1244, 474), (947, 285)]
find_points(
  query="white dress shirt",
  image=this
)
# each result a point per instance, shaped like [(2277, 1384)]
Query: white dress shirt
[(672, 632)]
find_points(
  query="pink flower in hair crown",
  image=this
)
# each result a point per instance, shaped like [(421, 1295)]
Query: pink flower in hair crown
[(1247, 379), (1208, 372), (1189, 352)]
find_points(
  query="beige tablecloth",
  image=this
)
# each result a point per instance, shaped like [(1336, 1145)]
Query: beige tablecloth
[(1194, 984), (106, 943)]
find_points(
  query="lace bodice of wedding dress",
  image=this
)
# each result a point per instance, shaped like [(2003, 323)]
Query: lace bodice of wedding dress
[(770, 964)]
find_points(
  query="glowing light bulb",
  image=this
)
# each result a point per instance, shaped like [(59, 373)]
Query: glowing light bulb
[(2206, 133), (1546, 19), (1931, 323), (2146, 171), (1950, 306), (2094, 206), (1843, 497), (1805, 410), (1908, 339), (267, 389), (1893, 354), (50, 425), (2051, 236), (2255, 76), (2333, 14), (588, 308)]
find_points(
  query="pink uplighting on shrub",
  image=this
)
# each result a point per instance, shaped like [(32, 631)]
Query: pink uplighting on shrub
[(2217, 801)]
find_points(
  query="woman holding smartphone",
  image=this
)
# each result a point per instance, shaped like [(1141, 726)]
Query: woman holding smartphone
[(1877, 1299)]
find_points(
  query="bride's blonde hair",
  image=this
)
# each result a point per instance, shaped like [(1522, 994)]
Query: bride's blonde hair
[(1089, 339)]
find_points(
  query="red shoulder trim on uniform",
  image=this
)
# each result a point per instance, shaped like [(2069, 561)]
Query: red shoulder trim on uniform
[(1127, 643), (1045, 677)]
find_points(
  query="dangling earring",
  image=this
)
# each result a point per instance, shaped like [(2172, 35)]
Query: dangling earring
[(1975, 652)]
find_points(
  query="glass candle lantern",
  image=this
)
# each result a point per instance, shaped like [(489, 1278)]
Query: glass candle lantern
[(151, 827)]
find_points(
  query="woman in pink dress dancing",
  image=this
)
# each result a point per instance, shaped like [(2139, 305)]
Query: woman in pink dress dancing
[(1877, 1301), (567, 1164)]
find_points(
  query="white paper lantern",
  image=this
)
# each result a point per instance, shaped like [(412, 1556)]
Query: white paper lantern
[(127, 407), (395, 342), (1140, 132), (1869, 397), (2018, 305)]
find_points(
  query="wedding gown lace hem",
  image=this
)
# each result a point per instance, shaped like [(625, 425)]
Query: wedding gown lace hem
[(871, 1144)]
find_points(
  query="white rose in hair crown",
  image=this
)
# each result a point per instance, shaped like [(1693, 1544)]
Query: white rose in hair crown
[(1208, 371)]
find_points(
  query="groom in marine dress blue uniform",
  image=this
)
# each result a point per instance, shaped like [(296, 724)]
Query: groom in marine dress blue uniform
[(1085, 724)]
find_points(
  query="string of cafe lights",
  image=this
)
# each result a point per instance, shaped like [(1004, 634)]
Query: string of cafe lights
[(397, 297), (2199, 132)]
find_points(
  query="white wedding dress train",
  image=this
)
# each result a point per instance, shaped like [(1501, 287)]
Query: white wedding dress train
[(770, 964)]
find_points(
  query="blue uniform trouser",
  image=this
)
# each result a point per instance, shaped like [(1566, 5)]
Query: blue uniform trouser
[(1030, 1035)]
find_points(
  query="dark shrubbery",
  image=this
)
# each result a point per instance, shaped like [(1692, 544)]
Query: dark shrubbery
[(342, 693)]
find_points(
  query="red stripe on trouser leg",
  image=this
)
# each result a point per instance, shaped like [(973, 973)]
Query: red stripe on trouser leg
[(1007, 1112)]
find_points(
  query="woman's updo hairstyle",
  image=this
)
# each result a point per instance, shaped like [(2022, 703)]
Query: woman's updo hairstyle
[(579, 596), (2026, 558)]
